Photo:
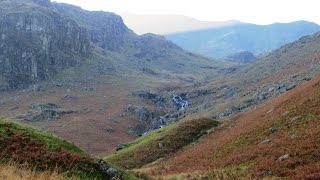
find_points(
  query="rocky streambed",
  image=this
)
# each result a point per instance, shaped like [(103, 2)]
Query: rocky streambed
[(168, 108)]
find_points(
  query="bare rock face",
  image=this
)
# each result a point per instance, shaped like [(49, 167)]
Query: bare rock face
[(36, 42), (107, 30)]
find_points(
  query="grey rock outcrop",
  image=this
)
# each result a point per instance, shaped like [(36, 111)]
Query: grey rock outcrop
[(42, 112), (284, 157), (39, 39), (36, 43), (121, 146), (144, 95), (105, 29), (109, 172), (181, 104)]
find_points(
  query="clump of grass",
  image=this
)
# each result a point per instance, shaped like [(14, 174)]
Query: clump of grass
[(229, 174), (10, 171), (161, 143)]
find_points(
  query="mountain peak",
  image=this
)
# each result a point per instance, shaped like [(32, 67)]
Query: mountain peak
[(42, 2)]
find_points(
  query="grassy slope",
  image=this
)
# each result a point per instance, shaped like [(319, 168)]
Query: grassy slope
[(293, 62), (172, 138), (38, 150), (244, 145)]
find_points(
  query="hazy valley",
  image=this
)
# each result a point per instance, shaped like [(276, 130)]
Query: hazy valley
[(148, 106)]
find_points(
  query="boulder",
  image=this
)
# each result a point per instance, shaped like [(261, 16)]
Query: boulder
[(41, 112), (121, 146), (263, 96), (113, 174), (284, 157), (265, 141), (294, 120), (144, 95), (273, 130), (160, 145), (290, 86), (108, 171)]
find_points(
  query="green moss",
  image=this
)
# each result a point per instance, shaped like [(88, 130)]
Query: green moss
[(244, 166), (144, 141), (128, 176), (160, 143)]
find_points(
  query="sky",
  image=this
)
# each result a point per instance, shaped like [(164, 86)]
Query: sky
[(251, 11)]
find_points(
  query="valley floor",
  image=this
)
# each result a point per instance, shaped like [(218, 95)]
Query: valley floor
[(98, 124)]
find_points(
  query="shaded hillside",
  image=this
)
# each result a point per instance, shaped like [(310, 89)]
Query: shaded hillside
[(148, 53), (299, 59), (37, 43), (40, 39), (279, 139), (106, 30), (221, 42)]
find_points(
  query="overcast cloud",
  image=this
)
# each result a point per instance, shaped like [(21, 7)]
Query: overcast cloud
[(253, 11)]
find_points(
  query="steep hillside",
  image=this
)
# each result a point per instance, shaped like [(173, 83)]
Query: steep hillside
[(276, 139), (146, 53), (160, 143), (29, 149), (282, 70), (107, 30), (279, 139), (37, 43), (224, 41), (39, 39)]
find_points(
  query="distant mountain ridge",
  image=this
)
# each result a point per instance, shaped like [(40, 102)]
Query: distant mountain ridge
[(167, 24), (224, 41)]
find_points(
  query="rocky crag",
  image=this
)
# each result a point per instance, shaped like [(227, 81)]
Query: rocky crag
[(39, 39), (36, 42)]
